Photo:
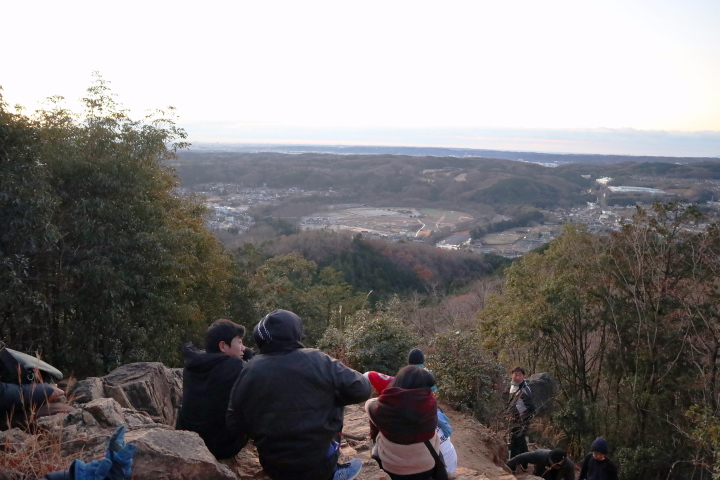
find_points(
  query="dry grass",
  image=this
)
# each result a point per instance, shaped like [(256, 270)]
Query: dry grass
[(33, 451)]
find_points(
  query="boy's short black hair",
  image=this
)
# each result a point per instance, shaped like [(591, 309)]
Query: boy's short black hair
[(518, 369), (222, 330)]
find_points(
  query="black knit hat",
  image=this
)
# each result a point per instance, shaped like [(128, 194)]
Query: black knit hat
[(557, 456), (416, 357), (222, 330), (599, 445)]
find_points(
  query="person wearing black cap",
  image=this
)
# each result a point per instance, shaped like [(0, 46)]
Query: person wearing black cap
[(549, 464), (208, 378), (290, 401), (597, 465)]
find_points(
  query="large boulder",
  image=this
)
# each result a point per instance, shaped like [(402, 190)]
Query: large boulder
[(544, 389), (167, 454), (147, 387)]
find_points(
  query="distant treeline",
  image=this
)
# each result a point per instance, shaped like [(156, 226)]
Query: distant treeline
[(522, 220)]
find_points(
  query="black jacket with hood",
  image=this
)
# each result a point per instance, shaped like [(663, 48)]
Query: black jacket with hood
[(290, 401), (208, 379)]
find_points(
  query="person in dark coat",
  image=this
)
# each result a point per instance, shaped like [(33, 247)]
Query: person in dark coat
[(17, 401), (290, 401), (519, 412), (549, 464), (208, 378), (597, 465)]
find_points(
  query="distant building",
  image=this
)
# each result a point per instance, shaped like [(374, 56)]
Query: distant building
[(455, 241)]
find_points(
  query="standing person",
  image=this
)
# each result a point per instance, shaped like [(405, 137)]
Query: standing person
[(597, 465), (208, 378), (403, 423), (549, 464), (519, 412), (290, 401)]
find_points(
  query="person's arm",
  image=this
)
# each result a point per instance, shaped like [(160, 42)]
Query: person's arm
[(527, 399), (234, 420), (350, 386), (612, 473), (12, 395), (568, 470), (522, 459), (584, 469)]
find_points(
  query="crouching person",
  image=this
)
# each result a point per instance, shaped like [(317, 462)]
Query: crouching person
[(549, 464), (290, 401)]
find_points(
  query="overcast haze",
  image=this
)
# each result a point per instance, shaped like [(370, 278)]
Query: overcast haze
[(604, 77)]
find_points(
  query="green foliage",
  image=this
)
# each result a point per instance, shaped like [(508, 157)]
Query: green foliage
[(706, 434), (293, 283), (627, 324), (105, 264), (466, 373), (378, 342)]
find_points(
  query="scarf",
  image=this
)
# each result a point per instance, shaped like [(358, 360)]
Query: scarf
[(404, 416)]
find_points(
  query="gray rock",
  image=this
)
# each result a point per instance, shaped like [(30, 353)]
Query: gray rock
[(166, 454), (147, 387), (86, 390), (544, 389), (107, 412), (13, 439)]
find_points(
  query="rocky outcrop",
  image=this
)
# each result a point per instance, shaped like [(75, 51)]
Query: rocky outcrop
[(146, 387), (145, 398)]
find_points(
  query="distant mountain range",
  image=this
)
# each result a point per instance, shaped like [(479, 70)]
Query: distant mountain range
[(533, 157)]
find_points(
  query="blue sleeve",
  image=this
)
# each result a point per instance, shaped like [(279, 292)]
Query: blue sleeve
[(12, 395)]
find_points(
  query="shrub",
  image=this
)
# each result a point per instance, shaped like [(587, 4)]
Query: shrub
[(378, 342), (467, 375)]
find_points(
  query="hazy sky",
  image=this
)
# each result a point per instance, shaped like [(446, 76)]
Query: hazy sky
[(336, 67)]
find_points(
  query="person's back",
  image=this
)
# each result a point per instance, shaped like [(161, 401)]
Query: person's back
[(208, 378), (402, 419), (290, 400), (549, 464)]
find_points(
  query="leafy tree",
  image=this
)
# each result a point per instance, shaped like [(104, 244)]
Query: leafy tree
[(114, 266)]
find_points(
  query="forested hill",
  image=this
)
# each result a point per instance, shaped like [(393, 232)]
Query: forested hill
[(561, 158), (447, 182)]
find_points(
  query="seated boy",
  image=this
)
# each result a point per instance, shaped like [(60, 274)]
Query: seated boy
[(208, 378)]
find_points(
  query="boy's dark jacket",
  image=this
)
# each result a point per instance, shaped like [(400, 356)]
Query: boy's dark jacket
[(290, 400), (598, 470), (208, 379)]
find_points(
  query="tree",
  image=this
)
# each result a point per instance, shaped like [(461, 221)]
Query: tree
[(114, 266)]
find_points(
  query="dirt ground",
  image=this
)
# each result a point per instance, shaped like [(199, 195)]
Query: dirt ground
[(481, 454)]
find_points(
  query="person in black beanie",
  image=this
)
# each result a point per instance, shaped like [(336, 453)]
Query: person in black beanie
[(597, 465), (549, 464), (416, 357)]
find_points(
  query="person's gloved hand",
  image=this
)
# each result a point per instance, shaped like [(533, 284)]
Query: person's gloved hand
[(95, 470), (120, 455)]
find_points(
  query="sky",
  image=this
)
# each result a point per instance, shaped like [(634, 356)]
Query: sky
[(613, 76)]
